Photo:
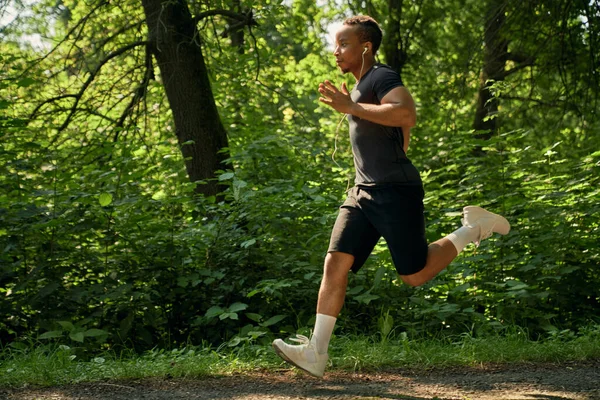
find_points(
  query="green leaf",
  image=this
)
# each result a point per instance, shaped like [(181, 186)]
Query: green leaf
[(230, 315), (67, 326), (19, 345), (226, 176), (273, 320), (213, 312), (77, 336), (516, 285), (386, 324), (182, 281), (235, 307), (94, 332), (547, 326), (248, 243), (254, 317), (568, 270), (461, 288), (354, 290), (378, 276), (238, 183), (308, 276), (366, 297), (50, 335), (159, 195), (256, 334), (25, 82), (105, 199)]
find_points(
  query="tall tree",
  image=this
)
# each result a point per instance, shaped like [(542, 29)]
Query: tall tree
[(175, 43), (494, 64), (395, 47), (554, 41)]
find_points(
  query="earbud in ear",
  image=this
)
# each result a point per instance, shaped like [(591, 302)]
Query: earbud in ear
[(366, 49)]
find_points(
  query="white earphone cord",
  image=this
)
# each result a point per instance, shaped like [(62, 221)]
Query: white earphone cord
[(337, 129)]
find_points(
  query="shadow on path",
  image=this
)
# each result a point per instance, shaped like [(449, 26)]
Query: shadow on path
[(515, 382)]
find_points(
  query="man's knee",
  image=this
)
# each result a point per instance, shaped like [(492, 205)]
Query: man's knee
[(337, 265), (413, 280)]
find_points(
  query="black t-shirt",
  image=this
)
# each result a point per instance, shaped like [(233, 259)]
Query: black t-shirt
[(379, 158)]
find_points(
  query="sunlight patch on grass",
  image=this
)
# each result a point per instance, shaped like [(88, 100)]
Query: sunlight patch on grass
[(45, 365)]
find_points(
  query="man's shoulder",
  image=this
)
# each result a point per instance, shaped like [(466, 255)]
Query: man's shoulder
[(383, 79), (385, 72), (378, 65)]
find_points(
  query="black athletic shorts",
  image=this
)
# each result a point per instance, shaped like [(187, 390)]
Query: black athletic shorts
[(394, 212)]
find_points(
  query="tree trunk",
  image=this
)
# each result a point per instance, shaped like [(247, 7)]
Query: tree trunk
[(394, 48), (494, 63), (176, 47), (237, 34)]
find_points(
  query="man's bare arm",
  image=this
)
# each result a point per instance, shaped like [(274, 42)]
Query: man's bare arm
[(397, 107)]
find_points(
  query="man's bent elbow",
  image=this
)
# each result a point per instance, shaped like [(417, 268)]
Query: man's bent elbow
[(410, 120), (406, 117)]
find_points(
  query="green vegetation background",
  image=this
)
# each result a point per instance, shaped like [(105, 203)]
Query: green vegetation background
[(104, 247)]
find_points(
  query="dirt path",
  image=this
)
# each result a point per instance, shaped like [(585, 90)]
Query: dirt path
[(577, 381)]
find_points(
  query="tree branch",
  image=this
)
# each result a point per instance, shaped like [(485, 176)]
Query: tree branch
[(407, 37), (103, 42), (522, 59), (223, 12), (92, 111), (119, 32), (79, 23), (244, 18), (529, 99), (257, 53), (51, 100), (139, 94), (87, 83), (286, 98), (519, 57), (516, 69)]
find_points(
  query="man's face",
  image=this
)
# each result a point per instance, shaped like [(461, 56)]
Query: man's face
[(348, 49)]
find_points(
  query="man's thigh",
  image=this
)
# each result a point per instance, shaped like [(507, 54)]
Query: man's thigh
[(353, 233), (397, 214)]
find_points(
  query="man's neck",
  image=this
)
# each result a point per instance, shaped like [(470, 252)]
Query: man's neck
[(365, 67)]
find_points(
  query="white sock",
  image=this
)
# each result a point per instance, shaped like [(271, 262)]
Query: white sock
[(323, 330), (463, 236)]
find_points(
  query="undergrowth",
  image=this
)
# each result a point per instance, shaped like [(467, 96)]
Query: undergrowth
[(48, 365)]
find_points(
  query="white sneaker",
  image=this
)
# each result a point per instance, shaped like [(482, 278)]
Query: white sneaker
[(304, 356), (487, 222)]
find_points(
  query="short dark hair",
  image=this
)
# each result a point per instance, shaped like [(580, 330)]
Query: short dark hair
[(368, 30)]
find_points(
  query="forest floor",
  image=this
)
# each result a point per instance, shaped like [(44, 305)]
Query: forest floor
[(573, 380)]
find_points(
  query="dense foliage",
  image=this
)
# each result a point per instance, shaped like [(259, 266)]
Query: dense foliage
[(102, 240)]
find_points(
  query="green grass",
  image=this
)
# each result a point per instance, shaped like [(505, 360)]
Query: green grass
[(55, 365), (362, 354)]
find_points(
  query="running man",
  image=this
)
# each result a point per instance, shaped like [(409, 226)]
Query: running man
[(387, 199)]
